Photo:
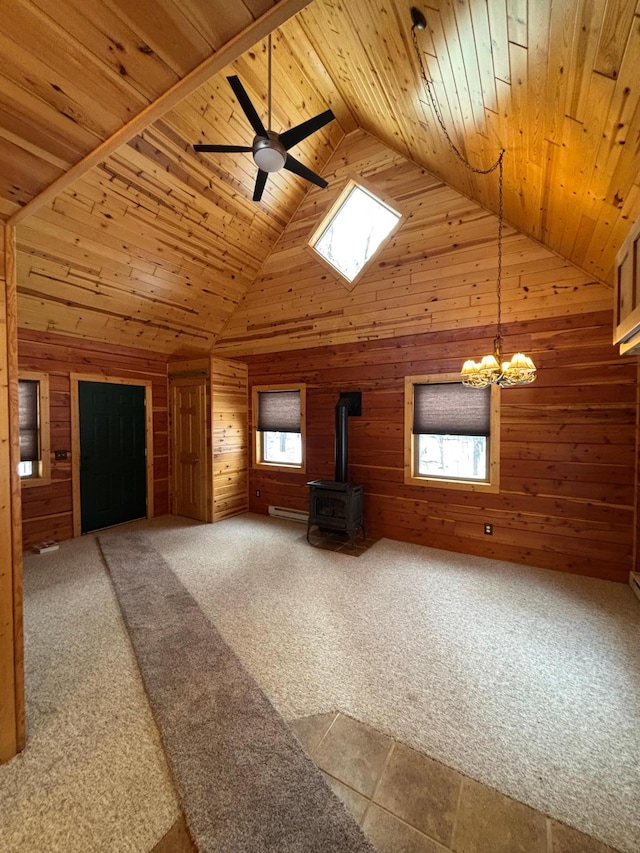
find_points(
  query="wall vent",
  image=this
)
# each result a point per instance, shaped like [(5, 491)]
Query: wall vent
[(300, 515)]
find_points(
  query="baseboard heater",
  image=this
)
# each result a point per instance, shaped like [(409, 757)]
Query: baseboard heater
[(300, 515)]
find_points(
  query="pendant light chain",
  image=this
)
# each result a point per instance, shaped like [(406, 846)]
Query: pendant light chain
[(436, 109), (491, 369), (500, 228)]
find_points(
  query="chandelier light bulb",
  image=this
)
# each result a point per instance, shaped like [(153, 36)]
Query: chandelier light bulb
[(489, 370)]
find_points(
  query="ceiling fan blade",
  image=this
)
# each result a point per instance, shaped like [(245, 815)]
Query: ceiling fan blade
[(247, 106), (298, 168), (301, 131), (222, 149), (261, 180)]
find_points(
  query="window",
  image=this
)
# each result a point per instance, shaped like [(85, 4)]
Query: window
[(33, 406), (353, 231), (280, 426), (451, 434)]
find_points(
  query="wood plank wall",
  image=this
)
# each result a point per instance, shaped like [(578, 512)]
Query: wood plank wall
[(567, 486), (438, 272), (229, 438), (47, 509)]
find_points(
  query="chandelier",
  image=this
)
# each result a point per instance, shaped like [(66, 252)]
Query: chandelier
[(491, 369)]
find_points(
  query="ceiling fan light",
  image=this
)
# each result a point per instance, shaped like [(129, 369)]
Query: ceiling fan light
[(269, 160), (269, 153)]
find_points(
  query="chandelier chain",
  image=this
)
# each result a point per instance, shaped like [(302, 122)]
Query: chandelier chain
[(438, 114), (500, 227), (497, 165), (491, 369)]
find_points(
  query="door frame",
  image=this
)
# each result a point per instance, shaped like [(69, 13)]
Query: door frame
[(76, 378)]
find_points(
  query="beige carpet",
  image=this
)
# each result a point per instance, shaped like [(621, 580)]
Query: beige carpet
[(93, 778), (524, 679)]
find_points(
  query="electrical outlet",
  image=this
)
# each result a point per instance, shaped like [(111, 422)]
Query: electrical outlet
[(61, 455), (257, 493), (488, 529)]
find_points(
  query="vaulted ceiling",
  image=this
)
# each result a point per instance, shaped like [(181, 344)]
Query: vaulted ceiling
[(148, 241)]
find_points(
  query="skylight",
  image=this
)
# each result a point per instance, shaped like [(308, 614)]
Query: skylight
[(354, 230)]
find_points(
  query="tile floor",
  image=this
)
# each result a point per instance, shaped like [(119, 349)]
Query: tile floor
[(409, 803)]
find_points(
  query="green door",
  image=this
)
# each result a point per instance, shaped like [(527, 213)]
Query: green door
[(113, 477)]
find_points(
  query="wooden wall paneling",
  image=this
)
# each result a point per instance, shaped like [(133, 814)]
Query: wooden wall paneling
[(463, 54), (498, 26), (293, 38), (225, 477), (441, 72), (550, 82), (12, 721), (21, 177), (150, 243), (229, 438), (49, 513), (93, 92), (176, 29), (517, 22), (614, 35), (585, 137), (437, 272), (566, 499), (108, 39), (485, 55), (30, 125), (618, 128)]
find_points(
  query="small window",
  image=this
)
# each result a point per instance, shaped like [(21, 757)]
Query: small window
[(280, 422), (354, 230), (33, 405), (452, 434)]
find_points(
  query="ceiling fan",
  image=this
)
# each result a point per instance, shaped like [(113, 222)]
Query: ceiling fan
[(270, 149)]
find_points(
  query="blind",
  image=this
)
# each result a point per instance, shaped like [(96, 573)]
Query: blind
[(28, 416), (279, 411), (450, 408)]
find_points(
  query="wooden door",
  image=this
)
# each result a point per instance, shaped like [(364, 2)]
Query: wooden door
[(189, 437), (113, 466)]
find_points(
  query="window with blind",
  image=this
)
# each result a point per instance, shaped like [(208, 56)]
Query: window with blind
[(33, 408), (452, 433), (279, 426)]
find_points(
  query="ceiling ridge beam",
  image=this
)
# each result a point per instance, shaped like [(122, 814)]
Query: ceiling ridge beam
[(228, 53)]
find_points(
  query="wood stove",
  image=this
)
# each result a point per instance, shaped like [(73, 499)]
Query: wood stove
[(336, 505)]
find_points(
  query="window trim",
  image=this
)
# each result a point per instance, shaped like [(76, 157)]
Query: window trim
[(319, 230), (492, 484), (258, 461), (43, 465)]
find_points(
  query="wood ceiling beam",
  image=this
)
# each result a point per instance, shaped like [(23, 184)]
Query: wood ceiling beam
[(228, 53)]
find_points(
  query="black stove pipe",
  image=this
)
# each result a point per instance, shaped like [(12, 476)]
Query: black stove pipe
[(342, 439)]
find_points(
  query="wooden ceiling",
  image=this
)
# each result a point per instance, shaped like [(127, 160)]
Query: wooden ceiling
[(154, 244)]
